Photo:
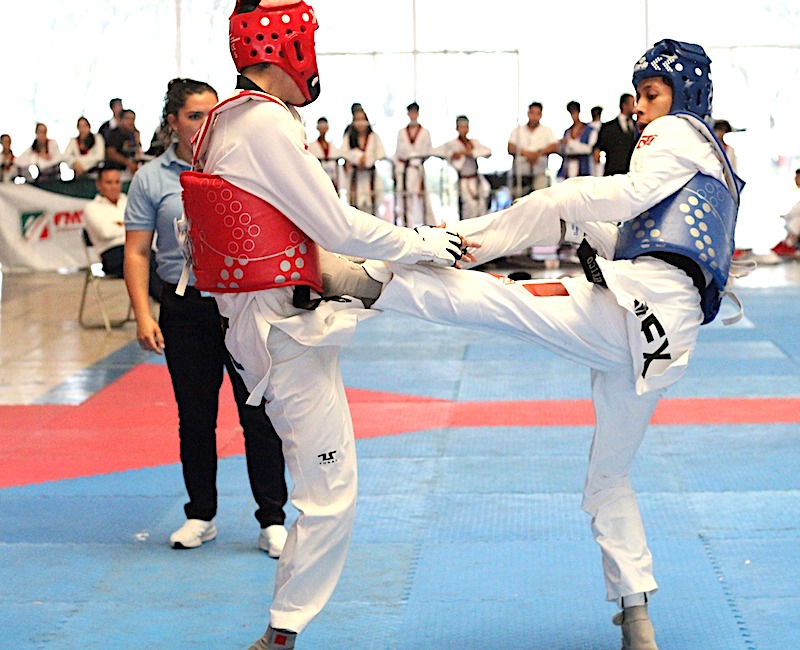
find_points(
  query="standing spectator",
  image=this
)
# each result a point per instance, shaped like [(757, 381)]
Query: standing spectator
[(595, 124), (189, 333), (43, 155), (109, 125), (8, 162), (576, 146), (355, 106), (123, 150), (617, 138), (721, 129), (362, 148), (85, 151), (531, 144), (462, 153), (326, 152), (412, 205)]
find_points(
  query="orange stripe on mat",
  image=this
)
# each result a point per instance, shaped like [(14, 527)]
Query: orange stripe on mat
[(133, 423)]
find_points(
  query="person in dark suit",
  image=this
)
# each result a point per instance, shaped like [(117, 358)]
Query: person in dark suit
[(617, 138)]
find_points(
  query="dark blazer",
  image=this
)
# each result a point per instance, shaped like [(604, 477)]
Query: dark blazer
[(618, 146)]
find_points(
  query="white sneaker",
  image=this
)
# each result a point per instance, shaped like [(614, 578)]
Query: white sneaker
[(637, 630), (272, 539), (275, 640), (193, 533)]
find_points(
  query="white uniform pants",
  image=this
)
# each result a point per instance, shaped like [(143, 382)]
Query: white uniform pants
[(590, 327), (473, 196), (306, 402), (412, 203)]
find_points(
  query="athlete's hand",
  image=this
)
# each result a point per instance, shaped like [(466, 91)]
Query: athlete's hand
[(446, 247), (148, 333), (466, 244)]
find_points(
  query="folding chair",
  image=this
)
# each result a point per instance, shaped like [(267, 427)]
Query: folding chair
[(95, 277)]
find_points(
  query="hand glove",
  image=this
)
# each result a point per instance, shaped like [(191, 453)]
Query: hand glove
[(442, 247)]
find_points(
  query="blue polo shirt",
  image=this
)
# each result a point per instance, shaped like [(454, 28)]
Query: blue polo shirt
[(154, 203)]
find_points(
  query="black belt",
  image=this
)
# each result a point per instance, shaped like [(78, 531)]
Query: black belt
[(689, 267), (301, 295), (588, 258)]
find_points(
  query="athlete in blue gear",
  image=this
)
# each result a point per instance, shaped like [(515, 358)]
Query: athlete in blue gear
[(634, 319)]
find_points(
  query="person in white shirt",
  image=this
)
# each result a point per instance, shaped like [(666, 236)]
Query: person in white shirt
[(9, 168), (327, 153), (41, 160), (362, 148), (105, 221), (86, 151), (787, 248), (412, 205), (463, 153), (531, 145)]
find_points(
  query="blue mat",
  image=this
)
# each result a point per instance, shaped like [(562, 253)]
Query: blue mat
[(465, 538)]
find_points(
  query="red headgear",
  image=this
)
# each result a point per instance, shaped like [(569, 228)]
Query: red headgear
[(283, 36)]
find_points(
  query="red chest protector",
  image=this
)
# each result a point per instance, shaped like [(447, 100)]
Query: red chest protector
[(239, 242)]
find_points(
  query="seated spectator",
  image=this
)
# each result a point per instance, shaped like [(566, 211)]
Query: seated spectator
[(123, 150), (41, 160), (8, 162), (105, 225), (116, 108), (788, 247), (161, 139), (85, 151)]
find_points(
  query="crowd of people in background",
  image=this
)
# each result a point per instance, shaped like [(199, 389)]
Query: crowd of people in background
[(116, 144), (594, 148)]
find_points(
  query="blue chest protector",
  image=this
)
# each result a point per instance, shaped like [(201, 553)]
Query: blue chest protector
[(697, 223)]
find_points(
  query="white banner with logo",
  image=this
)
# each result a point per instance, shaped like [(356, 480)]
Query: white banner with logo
[(40, 230)]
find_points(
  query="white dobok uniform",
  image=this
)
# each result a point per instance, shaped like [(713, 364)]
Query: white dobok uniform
[(412, 203), (636, 336), (473, 188), (364, 185), (290, 356), (328, 157)]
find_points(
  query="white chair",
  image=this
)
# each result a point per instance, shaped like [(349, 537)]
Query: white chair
[(96, 278)]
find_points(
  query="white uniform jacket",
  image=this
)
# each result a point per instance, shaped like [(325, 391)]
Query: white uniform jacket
[(278, 168), (105, 222)]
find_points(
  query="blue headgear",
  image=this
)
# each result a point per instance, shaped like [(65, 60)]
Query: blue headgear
[(686, 67)]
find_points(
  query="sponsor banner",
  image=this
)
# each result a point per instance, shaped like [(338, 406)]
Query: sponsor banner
[(40, 230)]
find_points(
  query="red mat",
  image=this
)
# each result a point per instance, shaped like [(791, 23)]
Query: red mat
[(133, 423)]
